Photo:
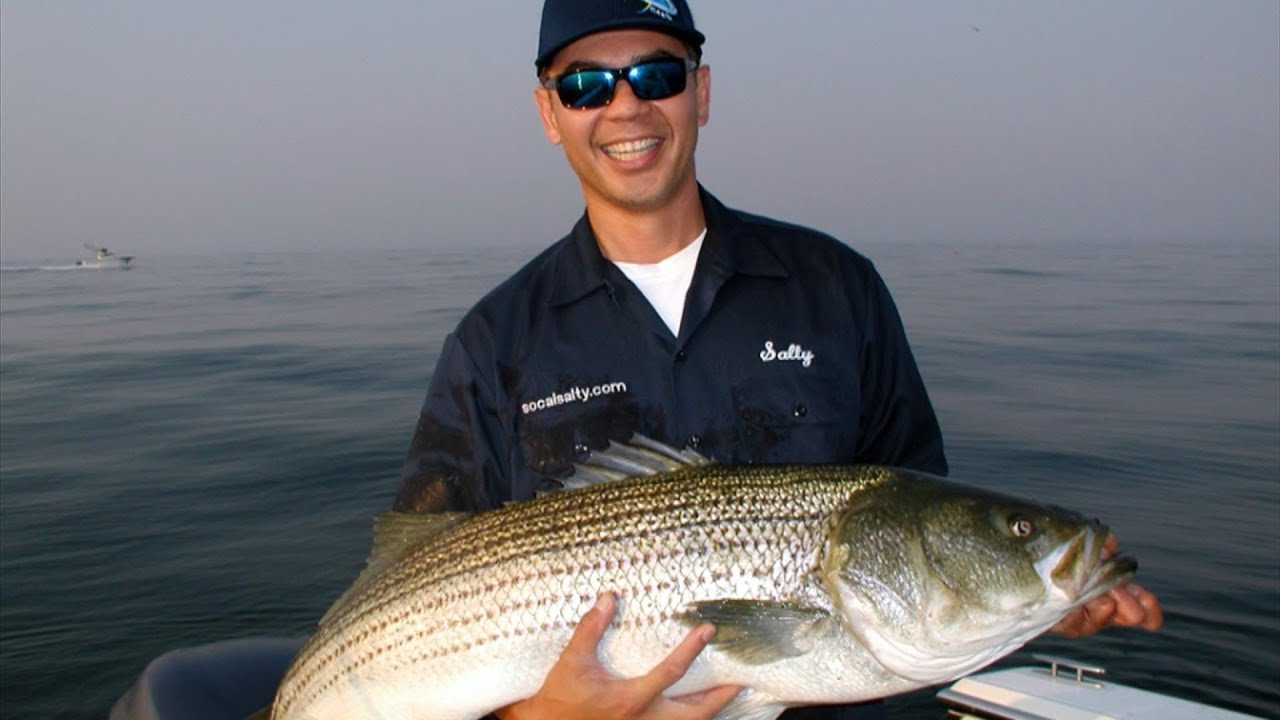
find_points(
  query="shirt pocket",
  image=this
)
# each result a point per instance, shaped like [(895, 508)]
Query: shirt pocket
[(793, 414)]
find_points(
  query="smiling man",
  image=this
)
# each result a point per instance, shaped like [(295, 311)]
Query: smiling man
[(633, 155), (667, 314)]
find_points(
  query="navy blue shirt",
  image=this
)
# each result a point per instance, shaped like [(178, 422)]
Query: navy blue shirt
[(790, 351)]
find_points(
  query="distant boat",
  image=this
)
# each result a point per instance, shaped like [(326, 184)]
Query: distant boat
[(105, 259)]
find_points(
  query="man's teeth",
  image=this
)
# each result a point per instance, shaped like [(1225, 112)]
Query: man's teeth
[(631, 149)]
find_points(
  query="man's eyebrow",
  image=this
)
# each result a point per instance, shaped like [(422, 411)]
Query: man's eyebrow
[(575, 65)]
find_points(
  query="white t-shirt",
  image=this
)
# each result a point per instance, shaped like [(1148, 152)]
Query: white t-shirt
[(666, 282)]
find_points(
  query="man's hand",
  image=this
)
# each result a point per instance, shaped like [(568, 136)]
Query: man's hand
[(1127, 605), (578, 686)]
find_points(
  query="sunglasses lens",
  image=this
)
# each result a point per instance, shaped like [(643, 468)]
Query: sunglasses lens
[(586, 88), (652, 80), (657, 79)]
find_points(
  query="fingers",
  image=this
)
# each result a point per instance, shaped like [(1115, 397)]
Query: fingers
[(586, 636), (1129, 605), (1067, 626), (1128, 611), (1154, 617), (1097, 614), (579, 686), (1137, 607), (1111, 544), (673, 667), (1087, 620)]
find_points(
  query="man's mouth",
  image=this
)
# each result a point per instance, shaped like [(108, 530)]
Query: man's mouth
[(630, 149)]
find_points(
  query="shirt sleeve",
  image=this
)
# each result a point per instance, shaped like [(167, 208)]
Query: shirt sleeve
[(454, 460), (898, 421)]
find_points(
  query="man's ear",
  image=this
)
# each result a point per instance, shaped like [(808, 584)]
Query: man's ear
[(703, 74), (543, 99)]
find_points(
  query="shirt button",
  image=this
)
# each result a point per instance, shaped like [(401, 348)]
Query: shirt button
[(800, 410), (694, 441), (681, 356)]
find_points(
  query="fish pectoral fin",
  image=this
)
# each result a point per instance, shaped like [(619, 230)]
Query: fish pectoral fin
[(263, 714), (758, 632), (394, 535)]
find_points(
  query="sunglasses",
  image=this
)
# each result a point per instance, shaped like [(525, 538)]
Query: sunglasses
[(594, 87)]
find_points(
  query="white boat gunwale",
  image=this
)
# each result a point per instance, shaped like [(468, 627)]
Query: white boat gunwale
[(1065, 690)]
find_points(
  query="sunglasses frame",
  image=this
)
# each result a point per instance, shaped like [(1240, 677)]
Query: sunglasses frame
[(617, 75)]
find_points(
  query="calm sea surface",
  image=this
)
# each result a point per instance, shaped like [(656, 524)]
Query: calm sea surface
[(192, 450)]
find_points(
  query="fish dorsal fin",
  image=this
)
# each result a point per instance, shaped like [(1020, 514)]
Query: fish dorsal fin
[(395, 534), (584, 475), (634, 458), (758, 632)]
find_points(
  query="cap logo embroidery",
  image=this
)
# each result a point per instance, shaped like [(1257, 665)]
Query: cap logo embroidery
[(793, 352), (664, 9)]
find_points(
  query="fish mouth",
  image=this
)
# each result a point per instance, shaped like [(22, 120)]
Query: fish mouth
[(1085, 569), (1106, 575)]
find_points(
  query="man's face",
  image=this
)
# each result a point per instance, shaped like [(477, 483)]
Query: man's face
[(633, 154)]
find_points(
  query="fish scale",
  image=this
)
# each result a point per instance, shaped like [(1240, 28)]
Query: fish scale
[(533, 569), (826, 584)]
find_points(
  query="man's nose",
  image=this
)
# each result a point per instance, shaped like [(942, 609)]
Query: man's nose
[(624, 101)]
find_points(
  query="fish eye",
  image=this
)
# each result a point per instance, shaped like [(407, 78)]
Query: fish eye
[(1021, 526)]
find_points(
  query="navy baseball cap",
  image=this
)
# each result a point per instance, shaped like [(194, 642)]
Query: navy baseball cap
[(564, 21)]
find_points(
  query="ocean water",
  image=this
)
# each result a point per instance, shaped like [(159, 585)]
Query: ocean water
[(192, 450)]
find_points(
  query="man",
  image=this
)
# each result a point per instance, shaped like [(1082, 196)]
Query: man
[(665, 313)]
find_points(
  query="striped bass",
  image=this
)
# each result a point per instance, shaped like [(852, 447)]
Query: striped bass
[(827, 584)]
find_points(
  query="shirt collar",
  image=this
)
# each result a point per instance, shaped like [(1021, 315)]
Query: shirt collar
[(731, 248)]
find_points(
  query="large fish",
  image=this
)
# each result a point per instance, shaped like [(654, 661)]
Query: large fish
[(827, 584)]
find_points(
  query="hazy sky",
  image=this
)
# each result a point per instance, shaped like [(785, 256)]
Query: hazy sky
[(160, 127)]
